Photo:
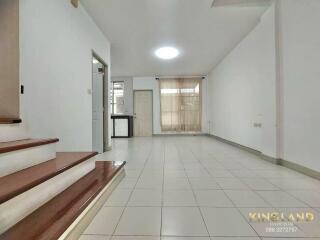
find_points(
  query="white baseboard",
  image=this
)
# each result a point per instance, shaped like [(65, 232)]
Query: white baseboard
[(278, 161)]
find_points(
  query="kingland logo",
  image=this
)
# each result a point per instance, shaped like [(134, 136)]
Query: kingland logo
[(281, 217)]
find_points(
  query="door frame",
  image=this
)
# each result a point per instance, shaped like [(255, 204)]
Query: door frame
[(143, 90), (105, 99)]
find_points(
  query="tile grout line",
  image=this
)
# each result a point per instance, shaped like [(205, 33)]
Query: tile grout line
[(182, 147), (279, 189), (225, 194), (164, 162), (256, 192), (126, 205), (279, 208), (194, 195), (229, 197)]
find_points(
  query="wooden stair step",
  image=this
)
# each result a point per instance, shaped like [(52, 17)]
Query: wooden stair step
[(5, 120), (51, 220), (19, 182), (23, 144)]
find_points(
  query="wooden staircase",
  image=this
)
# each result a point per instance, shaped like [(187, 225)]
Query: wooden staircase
[(49, 195)]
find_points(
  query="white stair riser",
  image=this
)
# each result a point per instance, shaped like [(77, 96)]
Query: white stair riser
[(17, 160), (12, 132), (14, 210)]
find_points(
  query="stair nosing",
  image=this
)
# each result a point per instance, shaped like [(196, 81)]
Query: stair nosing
[(7, 120), (6, 197), (38, 142), (46, 231)]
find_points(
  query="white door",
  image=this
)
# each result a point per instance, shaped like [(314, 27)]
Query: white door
[(142, 113), (97, 107)]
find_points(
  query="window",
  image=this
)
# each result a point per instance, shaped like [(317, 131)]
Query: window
[(117, 97), (180, 104)]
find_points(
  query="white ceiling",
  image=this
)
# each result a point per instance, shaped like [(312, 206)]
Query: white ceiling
[(136, 28)]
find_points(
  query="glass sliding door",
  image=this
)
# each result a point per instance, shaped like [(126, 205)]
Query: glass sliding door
[(180, 104)]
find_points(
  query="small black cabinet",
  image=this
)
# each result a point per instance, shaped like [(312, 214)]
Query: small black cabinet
[(122, 126)]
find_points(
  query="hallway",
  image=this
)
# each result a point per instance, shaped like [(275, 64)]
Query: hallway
[(190, 187), (131, 126)]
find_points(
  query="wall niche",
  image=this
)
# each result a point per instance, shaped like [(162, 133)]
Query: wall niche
[(9, 58)]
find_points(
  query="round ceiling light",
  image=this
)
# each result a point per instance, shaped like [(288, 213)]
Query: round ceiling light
[(167, 53)]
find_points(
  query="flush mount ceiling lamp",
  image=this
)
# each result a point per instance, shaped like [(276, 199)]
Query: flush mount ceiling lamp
[(167, 53), (239, 3)]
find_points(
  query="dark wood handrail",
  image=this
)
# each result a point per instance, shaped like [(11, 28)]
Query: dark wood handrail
[(4, 120)]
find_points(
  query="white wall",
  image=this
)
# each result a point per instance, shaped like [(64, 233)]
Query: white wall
[(241, 90), (56, 43), (300, 54)]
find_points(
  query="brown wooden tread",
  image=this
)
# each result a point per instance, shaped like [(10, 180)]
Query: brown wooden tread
[(51, 220), (23, 144), (19, 182), (4, 120)]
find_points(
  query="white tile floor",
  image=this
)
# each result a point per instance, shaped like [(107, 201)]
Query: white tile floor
[(196, 188)]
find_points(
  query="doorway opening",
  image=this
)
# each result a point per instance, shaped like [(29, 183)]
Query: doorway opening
[(99, 104)]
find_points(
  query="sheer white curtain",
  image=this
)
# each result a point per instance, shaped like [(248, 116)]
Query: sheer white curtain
[(180, 104)]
